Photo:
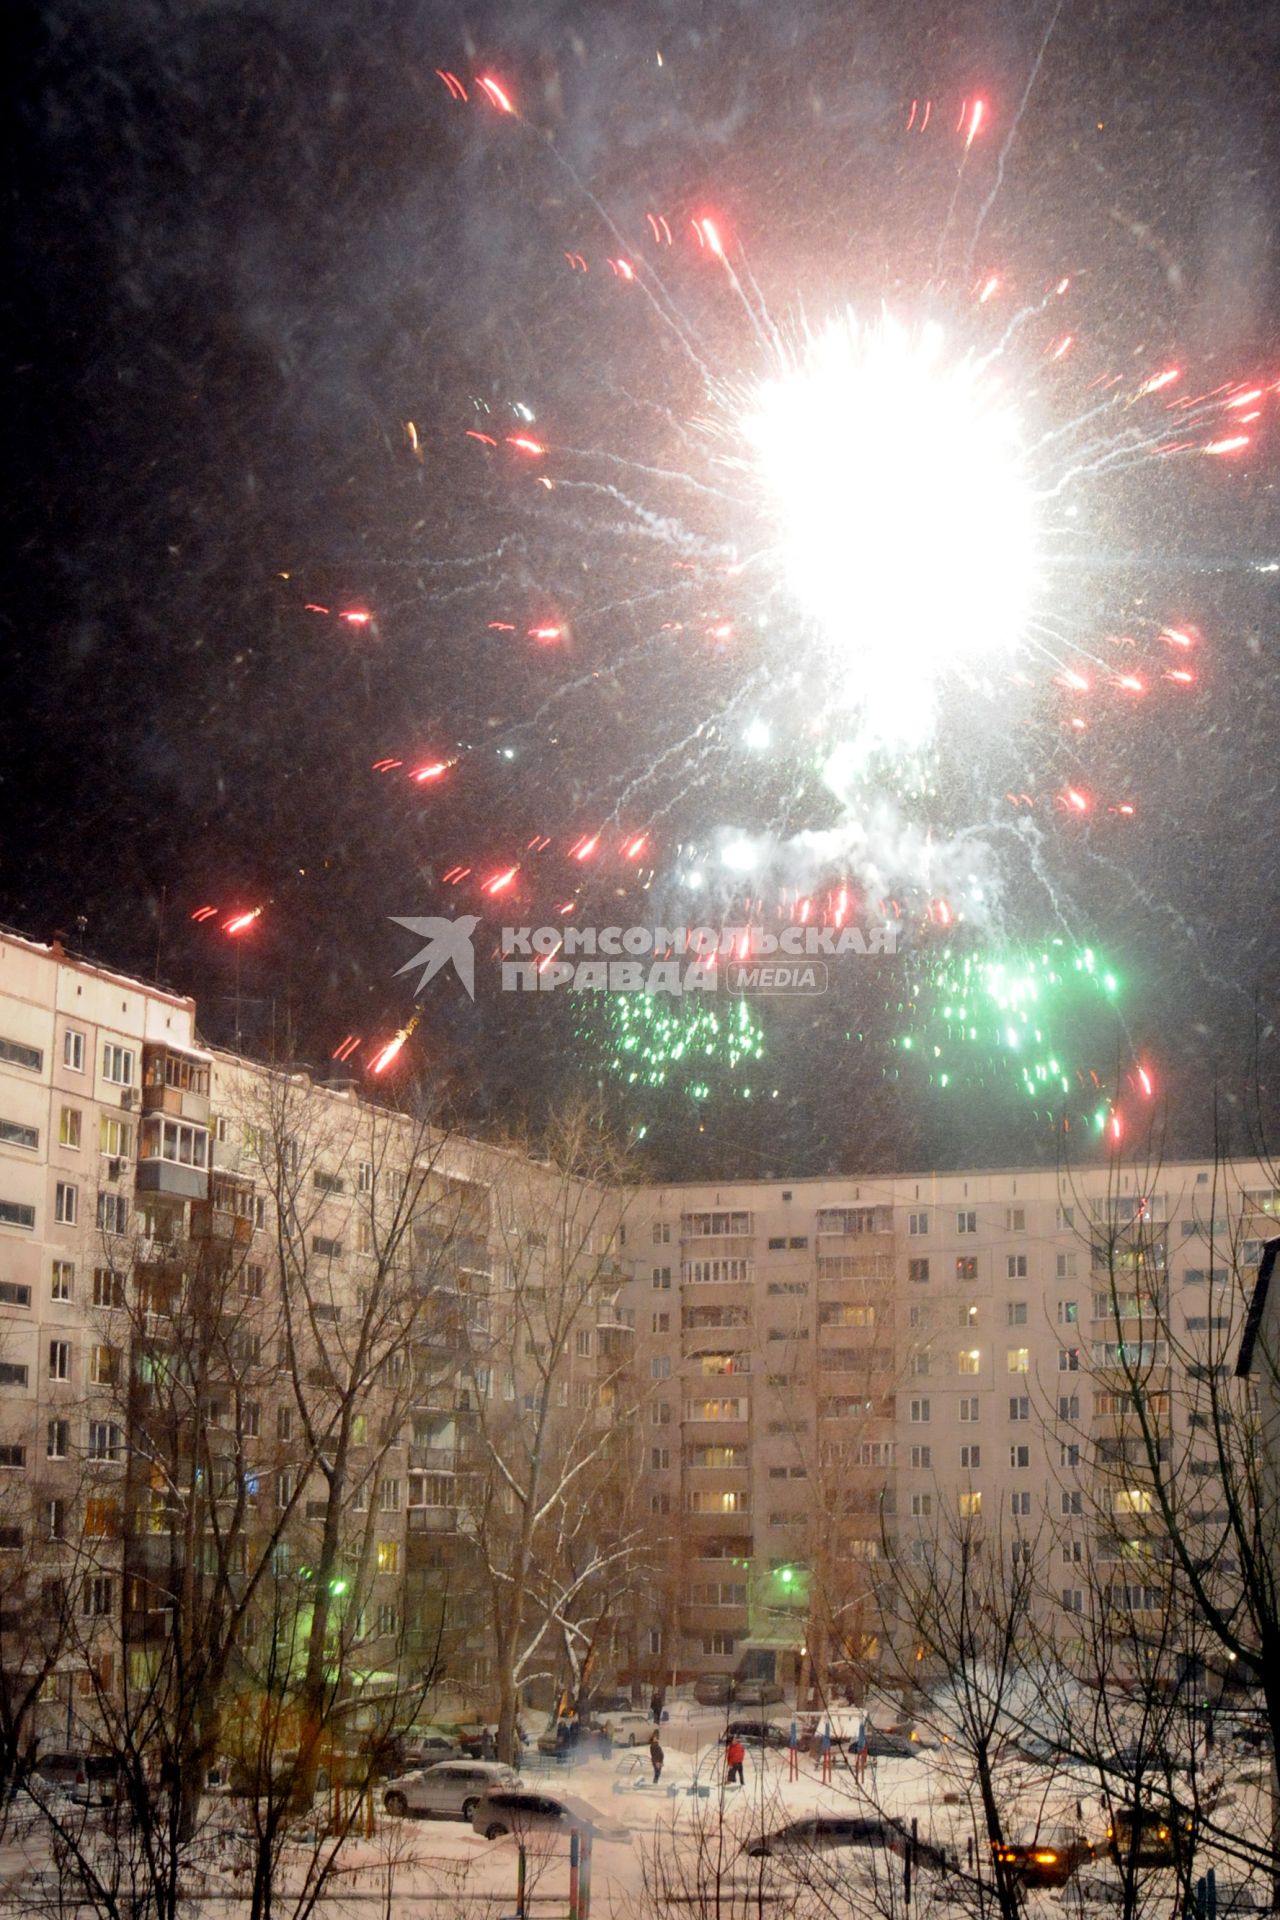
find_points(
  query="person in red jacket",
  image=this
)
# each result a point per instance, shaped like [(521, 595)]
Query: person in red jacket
[(735, 1755)]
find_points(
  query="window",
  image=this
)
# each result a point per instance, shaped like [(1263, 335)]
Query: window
[(59, 1359), (968, 1360), (1065, 1266), (98, 1590), (662, 1233), (117, 1064), (251, 1419), (969, 1404), (1020, 1408), (1131, 1500), (660, 1367), (1015, 1219), (659, 1503), (1069, 1406), (1068, 1313), (582, 1343), (661, 1279), (967, 1222), (967, 1267), (967, 1313), (108, 1287), (284, 1423), (104, 1440), (389, 1496), (16, 1054), (66, 1203), (778, 1245), (921, 1505), (61, 1280), (13, 1373), (1069, 1453), (113, 1213), (14, 1134), (920, 1361), (101, 1518), (14, 1293), (970, 1504), (921, 1457), (388, 1556), (917, 1223), (284, 1487), (660, 1323), (1072, 1600), (971, 1458), (1072, 1503), (798, 1242), (717, 1272), (1066, 1217), (718, 1643), (104, 1366), (13, 1454), (326, 1248), (918, 1270), (698, 1226), (364, 1176), (1016, 1313), (920, 1412), (659, 1459), (1072, 1553), (1016, 1266), (1018, 1360), (364, 1236), (1068, 1359), (1019, 1505), (58, 1440), (73, 1050), (327, 1182), (55, 1519), (115, 1137)]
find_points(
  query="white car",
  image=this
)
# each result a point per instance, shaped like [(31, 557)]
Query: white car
[(630, 1728), (451, 1790)]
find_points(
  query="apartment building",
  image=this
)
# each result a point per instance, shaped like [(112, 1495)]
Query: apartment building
[(849, 1373), (258, 1335), (804, 1386)]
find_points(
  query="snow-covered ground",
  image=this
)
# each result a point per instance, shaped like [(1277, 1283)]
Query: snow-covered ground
[(427, 1866)]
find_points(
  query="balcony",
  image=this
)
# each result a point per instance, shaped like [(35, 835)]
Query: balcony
[(175, 1081), (171, 1178), (224, 1225)]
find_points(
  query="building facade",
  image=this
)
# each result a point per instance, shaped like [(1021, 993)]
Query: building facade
[(253, 1325)]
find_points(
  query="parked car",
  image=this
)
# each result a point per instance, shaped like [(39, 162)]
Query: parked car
[(629, 1728), (450, 1790), (603, 1706), (1151, 1836), (824, 1831), (422, 1746), (757, 1693), (1044, 1863), (87, 1779), (882, 1745), (756, 1733), (525, 1810), (713, 1689)]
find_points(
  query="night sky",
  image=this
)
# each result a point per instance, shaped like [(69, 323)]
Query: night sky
[(270, 278)]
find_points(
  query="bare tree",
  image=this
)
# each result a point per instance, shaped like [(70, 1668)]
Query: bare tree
[(555, 1407)]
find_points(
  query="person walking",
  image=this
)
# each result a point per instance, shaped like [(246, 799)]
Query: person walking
[(860, 1751), (735, 1756), (656, 1705), (656, 1755)]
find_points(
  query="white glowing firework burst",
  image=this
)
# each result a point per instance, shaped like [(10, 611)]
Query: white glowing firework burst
[(894, 470)]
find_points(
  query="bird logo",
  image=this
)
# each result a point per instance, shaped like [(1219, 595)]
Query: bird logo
[(446, 940)]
